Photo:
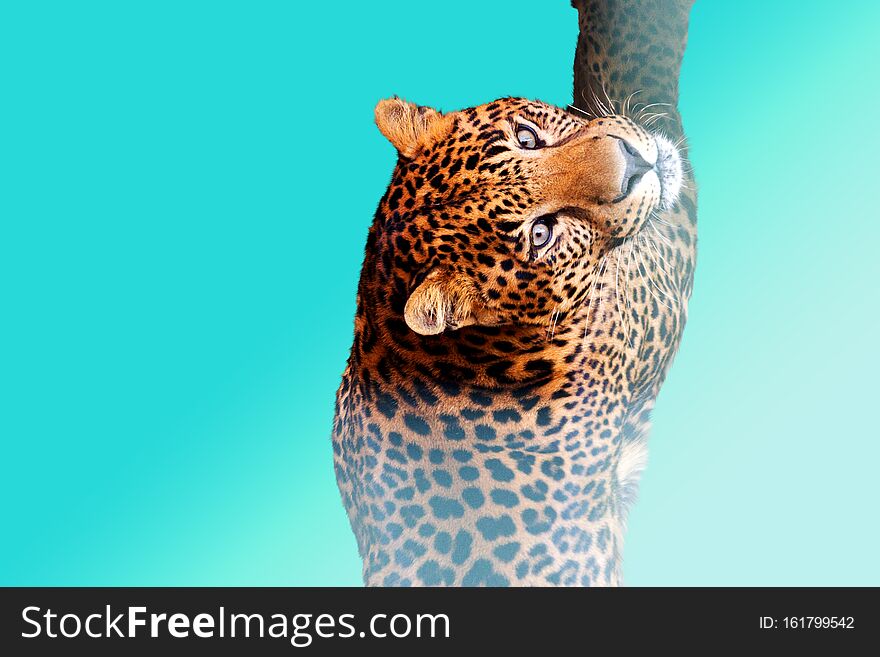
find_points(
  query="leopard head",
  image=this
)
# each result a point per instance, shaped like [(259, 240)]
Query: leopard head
[(501, 214)]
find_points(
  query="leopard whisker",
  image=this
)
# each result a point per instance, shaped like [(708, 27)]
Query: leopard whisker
[(606, 110), (657, 105), (663, 221), (665, 275), (665, 292), (592, 104), (668, 279), (554, 321), (582, 111), (627, 295), (620, 315), (644, 110), (627, 108), (654, 118), (599, 273), (649, 285), (659, 233)]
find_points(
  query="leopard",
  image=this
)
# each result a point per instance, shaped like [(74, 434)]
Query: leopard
[(523, 290)]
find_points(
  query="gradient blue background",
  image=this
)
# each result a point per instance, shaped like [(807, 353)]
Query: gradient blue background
[(185, 190)]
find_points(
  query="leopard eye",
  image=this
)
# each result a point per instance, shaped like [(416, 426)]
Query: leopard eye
[(526, 137), (541, 234)]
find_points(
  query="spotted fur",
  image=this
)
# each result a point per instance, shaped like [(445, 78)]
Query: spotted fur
[(491, 422)]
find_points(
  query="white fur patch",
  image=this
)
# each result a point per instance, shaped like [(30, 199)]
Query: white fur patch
[(632, 462), (669, 170)]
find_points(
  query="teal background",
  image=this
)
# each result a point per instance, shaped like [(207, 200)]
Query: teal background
[(185, 190)]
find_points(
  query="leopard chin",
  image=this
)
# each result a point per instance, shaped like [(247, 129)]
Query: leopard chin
[(669, 170)]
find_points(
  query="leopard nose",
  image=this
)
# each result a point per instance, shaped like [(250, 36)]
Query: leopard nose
[(635, 167)]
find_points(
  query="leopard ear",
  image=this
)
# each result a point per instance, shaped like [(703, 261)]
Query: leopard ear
[(407, 125), (444, 302)]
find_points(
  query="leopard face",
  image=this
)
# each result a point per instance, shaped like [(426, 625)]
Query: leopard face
[(501, 214)]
